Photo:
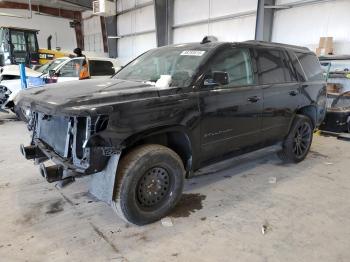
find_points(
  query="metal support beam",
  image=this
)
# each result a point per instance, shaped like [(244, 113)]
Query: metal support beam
[(112, 32), (164, 13), (264, 20)]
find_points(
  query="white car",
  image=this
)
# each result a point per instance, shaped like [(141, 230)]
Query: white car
[(59, 70)]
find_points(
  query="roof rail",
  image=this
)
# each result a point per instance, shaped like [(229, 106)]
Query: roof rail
[(264, 43)]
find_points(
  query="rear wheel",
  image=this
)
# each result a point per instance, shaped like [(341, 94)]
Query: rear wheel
[(149, 184), (298, 143)]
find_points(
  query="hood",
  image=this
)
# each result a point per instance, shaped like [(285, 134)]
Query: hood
[(86, 97)]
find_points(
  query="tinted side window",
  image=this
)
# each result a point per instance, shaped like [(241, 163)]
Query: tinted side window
[(311, 66), (237, 64), (298, 69), (290, 73), (101, 68), (273, 67)]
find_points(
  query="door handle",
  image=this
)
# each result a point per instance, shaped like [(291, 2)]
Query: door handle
[(293, 93), (253, 99)]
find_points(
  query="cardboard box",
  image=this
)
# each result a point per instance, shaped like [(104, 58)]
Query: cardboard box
[(325, 46), (334, 88), (326, 42)]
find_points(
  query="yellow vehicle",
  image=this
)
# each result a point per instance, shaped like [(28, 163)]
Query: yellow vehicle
[(47, 55), (20, 45)]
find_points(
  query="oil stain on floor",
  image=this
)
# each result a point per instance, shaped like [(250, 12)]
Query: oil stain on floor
[(55, 207), (188, 204)]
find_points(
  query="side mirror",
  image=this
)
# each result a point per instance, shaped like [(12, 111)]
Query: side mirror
[(52, 73), (218, 78)]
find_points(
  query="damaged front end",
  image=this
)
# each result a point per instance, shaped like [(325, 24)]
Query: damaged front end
[(72, 143)]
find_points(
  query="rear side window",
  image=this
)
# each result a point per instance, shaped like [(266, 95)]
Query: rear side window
[(310, 66), (298, 69), (101, 68), (237, 64), (273, 67)]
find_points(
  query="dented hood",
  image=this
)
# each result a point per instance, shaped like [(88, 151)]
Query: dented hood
[(85, 97)]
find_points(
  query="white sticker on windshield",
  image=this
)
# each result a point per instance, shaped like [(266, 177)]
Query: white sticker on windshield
[(192, 52)]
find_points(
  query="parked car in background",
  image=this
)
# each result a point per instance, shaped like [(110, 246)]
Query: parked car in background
[(59, 70), (172, 111), (337, 70)]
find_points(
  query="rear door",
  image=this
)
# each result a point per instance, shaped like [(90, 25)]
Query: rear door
[(230, 114), (312, 82), (280, 91)]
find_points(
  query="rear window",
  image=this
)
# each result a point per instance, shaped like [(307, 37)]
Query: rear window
[(101, 68), (273, 67), (310, 66)]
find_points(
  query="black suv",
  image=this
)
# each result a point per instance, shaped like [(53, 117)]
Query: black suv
[(171, 111)]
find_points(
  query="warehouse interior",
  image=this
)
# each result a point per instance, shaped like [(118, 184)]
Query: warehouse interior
[(79, 73)]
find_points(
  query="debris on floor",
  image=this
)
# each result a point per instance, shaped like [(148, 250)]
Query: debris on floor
[(266, 227), (167, 222), (272, 180)]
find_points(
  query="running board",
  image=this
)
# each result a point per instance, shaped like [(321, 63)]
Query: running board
[(238, 160)]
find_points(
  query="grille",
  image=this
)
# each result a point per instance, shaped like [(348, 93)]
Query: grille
[(53, 131)]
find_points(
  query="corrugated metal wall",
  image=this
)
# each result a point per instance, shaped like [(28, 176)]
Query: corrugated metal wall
[(63, 35), (304, 25), (131, 26), (186, 12), (233, 20), (93, 40), (231, 28)]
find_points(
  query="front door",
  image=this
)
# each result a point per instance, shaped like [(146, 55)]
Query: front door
[(231, 113), (71, 70)]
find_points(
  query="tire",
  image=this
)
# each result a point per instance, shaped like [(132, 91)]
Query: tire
[(298, 142), (149, 184)]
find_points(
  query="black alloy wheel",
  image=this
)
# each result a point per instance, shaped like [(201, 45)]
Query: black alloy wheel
[(302, 139), (298, 142)]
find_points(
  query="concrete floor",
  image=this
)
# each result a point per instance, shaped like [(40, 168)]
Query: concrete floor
[(305, 213)]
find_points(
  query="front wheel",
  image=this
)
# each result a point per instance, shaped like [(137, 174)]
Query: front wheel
[(298, 142), (149, 184)]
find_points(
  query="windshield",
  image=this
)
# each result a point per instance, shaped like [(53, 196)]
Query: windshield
[(50, 65), (180, 63)]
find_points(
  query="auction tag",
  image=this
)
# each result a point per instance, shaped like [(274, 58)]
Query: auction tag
[(192, 53)]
